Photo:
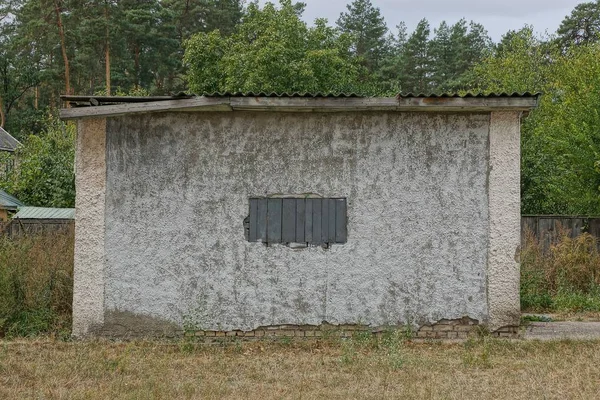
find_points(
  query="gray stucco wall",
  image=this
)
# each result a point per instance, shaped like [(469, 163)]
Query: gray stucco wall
[(90, 260), (505, 220), (177, 192)]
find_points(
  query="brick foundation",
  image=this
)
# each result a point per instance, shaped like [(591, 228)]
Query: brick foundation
[(460, 329)]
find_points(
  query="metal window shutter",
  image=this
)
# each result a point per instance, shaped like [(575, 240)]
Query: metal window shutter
[(298, 220)]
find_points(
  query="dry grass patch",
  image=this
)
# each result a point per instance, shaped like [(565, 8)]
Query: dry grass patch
[(337, 370), (36, 284)]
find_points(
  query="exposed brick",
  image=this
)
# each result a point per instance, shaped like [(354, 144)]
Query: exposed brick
[(464, 328), (443, 328)]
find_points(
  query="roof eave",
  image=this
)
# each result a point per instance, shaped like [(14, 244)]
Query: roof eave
[(309, 104)]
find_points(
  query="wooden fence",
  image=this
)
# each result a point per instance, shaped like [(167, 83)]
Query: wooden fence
[(546, 228), (24, 227)]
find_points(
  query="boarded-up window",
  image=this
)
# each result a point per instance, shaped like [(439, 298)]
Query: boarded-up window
[(297, 220)]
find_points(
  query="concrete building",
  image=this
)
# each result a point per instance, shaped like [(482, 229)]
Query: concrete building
[(251, 215)]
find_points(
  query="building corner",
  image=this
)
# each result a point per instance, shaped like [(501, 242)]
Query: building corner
[(90, 259), (504, 200)]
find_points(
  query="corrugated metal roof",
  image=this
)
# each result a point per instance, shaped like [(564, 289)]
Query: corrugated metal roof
[(285, 94), (9, 202), (7, 142), (84, 100), (45, 213), (467, 95)]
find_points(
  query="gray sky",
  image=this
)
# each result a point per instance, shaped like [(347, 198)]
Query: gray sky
[(498, 16)]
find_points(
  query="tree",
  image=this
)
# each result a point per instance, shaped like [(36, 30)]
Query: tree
[(581, 26), (45, 175), (273, 50), (560, 140), (454, 51), (368, 30), (415, 61), (194, 16)]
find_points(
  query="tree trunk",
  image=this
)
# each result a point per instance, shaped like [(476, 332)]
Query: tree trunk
[(137, 66), (63, 46), (107, 50), (2, 117)]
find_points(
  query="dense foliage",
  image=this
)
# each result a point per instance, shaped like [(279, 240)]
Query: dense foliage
[(44, 174), (167, 46), (273, 50)]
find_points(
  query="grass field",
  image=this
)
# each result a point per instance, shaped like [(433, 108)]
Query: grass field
[(358, 369)]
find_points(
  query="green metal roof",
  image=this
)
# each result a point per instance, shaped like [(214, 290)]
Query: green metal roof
[(9, 202), (45, 213)]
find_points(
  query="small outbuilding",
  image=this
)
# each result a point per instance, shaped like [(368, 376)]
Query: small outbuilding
[(252, 215), (37, 220), (7, 141), (8, 205)]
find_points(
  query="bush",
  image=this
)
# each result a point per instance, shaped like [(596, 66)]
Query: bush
[(36, 284), (564, 277), (44, 173)]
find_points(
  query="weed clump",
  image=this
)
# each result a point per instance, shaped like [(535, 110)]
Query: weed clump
[(563, 277), (36, 285)]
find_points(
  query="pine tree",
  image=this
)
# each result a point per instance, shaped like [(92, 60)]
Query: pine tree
[(366, 25), (454, 51), (193, 16), (415, 61), (581, 26)]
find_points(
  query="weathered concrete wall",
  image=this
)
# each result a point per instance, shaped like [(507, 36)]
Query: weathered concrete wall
[(90, 181), (505, 219), (177, 194)]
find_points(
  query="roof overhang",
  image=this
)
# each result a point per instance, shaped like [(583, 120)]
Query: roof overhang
[(119, 106)]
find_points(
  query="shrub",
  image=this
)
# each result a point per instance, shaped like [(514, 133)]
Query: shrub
[(564, 277), (36, 284)]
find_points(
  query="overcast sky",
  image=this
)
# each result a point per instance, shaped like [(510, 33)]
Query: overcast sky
[(498, 16)]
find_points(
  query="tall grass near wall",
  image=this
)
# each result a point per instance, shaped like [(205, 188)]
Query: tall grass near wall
[(36, 284), (36, 280), (563, 277)]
